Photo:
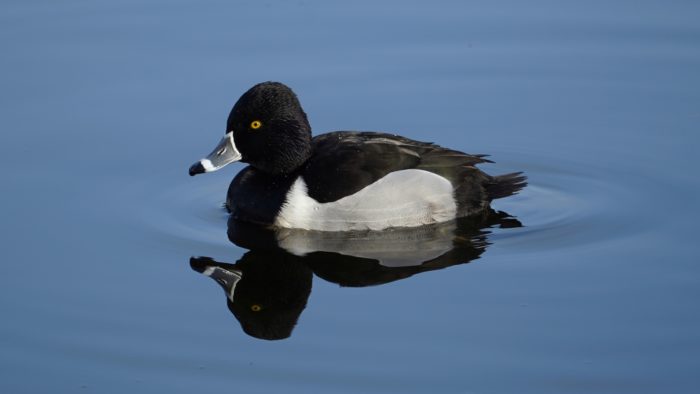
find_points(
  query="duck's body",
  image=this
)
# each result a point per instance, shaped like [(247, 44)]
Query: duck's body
[(343, 181), (367, 181)]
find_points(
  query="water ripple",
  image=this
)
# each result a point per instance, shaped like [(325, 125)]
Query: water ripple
[(568, 203)]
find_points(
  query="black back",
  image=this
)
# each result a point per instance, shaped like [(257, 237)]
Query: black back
[(342, 163)]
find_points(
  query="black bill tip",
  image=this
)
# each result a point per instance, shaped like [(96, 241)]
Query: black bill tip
[(200, 263), (196, 168)]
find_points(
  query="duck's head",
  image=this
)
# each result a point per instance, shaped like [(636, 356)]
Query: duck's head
[(267, 129), (266, 290)]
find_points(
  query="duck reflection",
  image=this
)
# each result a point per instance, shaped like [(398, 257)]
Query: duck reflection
[(267, 288)]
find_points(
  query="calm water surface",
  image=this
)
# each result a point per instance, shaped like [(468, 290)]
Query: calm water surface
[(106, 104)]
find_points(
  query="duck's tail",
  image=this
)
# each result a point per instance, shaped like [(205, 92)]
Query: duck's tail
[(505, 185)]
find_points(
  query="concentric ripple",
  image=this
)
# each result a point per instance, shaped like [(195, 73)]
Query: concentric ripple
[(571, 204), (567, 203)]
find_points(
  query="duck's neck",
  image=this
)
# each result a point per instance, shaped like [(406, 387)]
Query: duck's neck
[(285, 157)]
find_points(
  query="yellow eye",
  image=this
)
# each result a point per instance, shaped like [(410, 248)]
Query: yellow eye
[(256, 124), (255, 308)]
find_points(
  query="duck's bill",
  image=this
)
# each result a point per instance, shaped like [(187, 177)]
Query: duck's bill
[(228, 278), (223, 154)]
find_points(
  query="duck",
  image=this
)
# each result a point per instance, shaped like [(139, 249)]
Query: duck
[(342, 180)]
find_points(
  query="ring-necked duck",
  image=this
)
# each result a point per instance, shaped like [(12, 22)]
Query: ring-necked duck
[(342, 180)]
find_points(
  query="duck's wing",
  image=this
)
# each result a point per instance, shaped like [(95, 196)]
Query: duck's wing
[(344, 163)]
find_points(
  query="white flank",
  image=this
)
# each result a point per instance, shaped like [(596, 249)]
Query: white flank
[(406, 198)]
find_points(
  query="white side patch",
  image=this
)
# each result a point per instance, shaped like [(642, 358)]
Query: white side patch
[(399, 247), (406, 198)]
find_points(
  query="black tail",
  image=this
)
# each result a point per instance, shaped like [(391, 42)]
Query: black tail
[(506, 185)]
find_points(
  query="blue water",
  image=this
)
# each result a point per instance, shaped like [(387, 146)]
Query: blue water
[(104, 105)]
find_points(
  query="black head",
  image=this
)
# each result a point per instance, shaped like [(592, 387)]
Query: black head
[(267, 129), (266, 290), (270, 129)]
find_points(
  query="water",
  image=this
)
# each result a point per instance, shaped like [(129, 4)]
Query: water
[(105, 105)]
